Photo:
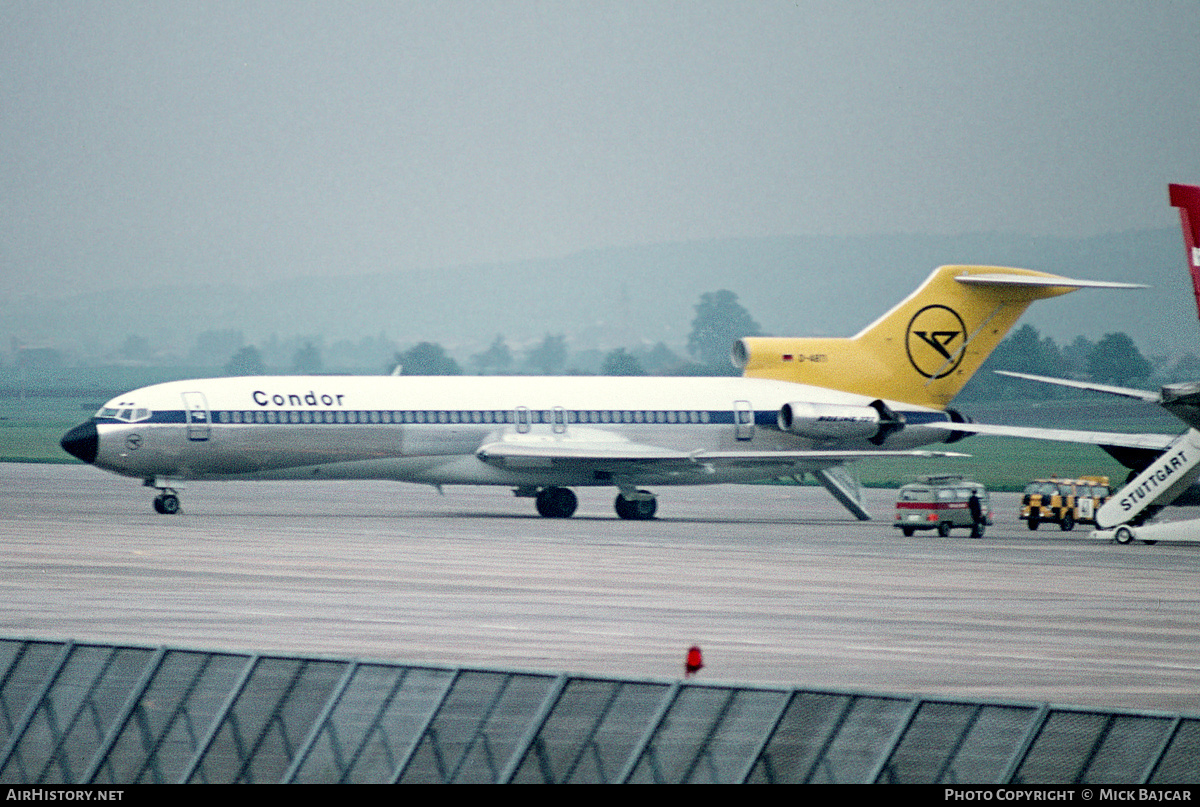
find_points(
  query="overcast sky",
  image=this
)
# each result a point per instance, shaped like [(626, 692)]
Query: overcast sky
[(171, 141)]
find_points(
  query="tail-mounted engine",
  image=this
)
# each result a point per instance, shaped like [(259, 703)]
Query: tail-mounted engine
[(840, 421), (957, 417)]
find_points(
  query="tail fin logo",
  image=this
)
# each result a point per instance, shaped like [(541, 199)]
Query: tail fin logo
[(935, 340)]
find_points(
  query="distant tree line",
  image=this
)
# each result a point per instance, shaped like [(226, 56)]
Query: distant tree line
[(719, 320)]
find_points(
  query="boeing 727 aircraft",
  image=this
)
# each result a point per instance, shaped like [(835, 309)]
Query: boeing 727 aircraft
[(801, 406)]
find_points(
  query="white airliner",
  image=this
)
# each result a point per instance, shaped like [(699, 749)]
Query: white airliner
[(801, 406)]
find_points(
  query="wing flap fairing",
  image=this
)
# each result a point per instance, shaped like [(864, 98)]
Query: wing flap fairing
[(602, 454)]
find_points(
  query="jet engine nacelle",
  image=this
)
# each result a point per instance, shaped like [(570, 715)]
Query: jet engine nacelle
[(839, 421)]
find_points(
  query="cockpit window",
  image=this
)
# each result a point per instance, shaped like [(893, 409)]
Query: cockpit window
[(128, 414)]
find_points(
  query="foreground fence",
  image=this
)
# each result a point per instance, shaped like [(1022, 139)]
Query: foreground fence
[(93, 713)]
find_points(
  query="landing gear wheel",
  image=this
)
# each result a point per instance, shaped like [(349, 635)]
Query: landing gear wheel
[(1123, 535), (166, 503), (636, 510), (556, 503)]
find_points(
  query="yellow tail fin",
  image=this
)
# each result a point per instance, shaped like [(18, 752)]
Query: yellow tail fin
[(926, 348)]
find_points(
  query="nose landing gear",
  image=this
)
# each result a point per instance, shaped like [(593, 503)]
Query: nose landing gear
[(167, 500), (166, 503)]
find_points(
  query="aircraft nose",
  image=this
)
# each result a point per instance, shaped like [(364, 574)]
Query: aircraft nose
[(82, 442)]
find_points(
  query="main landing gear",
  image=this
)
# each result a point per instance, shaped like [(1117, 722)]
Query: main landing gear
[(641, 507), (556, 502), (167, 500)]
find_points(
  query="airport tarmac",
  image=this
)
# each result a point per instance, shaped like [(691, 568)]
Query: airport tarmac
[(777, 584)]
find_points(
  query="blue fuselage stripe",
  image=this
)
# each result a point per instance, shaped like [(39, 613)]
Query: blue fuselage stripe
[(459, 417)]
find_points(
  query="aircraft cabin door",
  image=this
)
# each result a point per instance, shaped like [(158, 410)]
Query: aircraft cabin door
[(195, 409), (743, 420)]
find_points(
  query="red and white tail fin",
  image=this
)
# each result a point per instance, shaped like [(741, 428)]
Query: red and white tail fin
[(1187, 199)]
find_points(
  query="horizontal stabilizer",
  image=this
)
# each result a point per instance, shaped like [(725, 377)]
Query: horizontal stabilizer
[(1042, 281)]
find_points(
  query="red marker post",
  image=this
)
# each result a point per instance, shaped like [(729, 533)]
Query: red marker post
[(694, 662)]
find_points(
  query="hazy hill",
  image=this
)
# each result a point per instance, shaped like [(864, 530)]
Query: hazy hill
[(791, 285)]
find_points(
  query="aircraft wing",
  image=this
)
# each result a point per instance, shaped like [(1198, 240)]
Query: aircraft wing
[(1124, 392), (1154, 442), (617, 454), (1181, 400)]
